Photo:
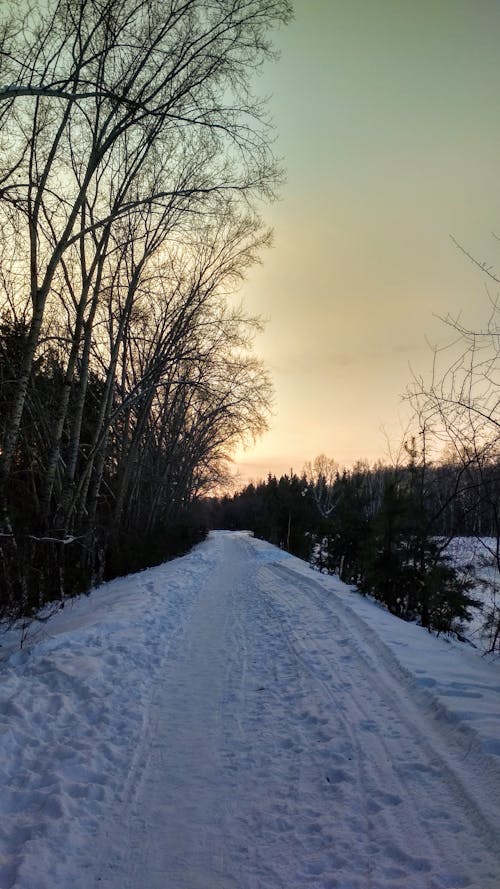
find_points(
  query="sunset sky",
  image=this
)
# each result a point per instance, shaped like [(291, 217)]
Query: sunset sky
[(387, 115)]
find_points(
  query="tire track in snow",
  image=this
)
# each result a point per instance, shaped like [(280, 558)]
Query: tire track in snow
[(254, 817), (285, 749), (462, 739), (366, 796), (423, 761)]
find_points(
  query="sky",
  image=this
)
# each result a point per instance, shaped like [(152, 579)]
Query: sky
[(387, 116)]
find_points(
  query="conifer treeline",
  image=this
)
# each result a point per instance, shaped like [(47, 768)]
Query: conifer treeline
[(382, 528)]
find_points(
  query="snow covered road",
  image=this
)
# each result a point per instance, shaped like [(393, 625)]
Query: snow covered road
[(291, 734)]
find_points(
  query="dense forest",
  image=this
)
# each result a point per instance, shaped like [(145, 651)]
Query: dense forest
[(134, 160), (384, 529)]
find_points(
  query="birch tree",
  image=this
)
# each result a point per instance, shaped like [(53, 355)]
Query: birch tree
[(133, 154), (121, 78)]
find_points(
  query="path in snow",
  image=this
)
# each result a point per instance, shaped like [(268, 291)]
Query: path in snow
[(286, 747)]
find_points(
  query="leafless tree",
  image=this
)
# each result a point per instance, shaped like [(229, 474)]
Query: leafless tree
[(133, 150), (91, 88), (321, 475), (460, 404)]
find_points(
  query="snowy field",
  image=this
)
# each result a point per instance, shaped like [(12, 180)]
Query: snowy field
[(476, 556), (234, 720)]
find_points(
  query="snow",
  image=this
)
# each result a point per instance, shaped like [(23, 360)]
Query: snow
[(475, 556), (234, 719)]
